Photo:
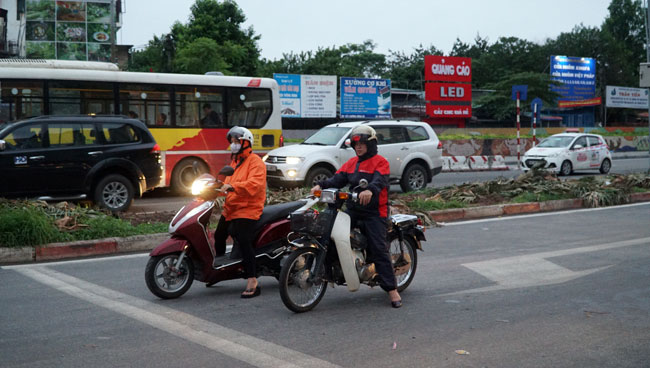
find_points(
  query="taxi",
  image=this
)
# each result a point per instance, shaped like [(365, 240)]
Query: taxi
[(568, 152)]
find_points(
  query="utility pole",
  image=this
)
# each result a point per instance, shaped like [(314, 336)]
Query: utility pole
[(647, 49), (113, 57)]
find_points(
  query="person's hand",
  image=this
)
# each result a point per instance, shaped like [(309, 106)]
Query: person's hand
[(315, 188), (227, 188), (364, 197)]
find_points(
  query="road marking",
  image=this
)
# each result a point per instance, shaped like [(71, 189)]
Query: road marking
[(232, 343), (535, 270), (553, 213)]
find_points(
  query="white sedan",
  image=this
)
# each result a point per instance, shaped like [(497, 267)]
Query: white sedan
[(568, 152)]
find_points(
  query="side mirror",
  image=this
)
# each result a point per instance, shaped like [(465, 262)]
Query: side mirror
[(577, 146), (363, 183), (226, 171), (348, 143), (3, 145)]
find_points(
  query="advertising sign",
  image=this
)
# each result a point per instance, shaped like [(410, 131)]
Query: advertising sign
[(448, 92), (580, 103), (626, 98), (307, 96), (69, 30), (447, 68), (577, 75), (449, 111), (365, 98)]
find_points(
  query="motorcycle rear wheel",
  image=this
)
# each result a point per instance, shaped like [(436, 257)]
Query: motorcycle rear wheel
[(163, 281), (410, 253), (297, 292)]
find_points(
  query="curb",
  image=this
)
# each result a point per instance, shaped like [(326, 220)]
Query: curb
[(508, 209), (142, 243), (82, 248)]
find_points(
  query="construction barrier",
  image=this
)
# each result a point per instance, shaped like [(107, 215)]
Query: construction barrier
[(473, 163)]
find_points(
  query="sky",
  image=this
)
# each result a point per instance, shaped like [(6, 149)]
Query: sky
[(302, 25)]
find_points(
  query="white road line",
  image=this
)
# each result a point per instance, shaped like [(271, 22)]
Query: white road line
[(245, 348), (554, 213), (535, 270)]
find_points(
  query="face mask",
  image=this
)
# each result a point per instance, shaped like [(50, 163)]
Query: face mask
[(235, 147)]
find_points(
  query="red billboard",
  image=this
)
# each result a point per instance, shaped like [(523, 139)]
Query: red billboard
[(447, 92), (447, 68), (449, 111)]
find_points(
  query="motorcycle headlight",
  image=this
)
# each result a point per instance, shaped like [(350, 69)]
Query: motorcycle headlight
[(294, 160), (328, 196), (198, 186)]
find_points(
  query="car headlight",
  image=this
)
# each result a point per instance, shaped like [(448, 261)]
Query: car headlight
[(265, 157), (199, 186), (294, 160)]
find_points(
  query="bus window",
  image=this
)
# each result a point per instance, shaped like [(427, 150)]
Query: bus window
[(199, 107), (248, 107), (20, 99), (148, 103), (74, 98)]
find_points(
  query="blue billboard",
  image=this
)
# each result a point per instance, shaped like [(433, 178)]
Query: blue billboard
[(365, 98), (577, 75), (289, 87)]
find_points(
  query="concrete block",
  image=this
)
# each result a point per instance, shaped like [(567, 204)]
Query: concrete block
[(485, 211), (76, 249), (640, 197), (447, 215), (140, 243), (560, 204), (16, 255), (517, 208)]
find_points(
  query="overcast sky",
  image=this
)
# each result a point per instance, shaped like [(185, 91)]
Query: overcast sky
[(302, 25)]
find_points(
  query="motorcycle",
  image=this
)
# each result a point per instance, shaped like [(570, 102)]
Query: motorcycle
[(327, 248), (189, 254)]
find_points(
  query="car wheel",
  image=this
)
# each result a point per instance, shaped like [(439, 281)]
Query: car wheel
[(316, 175), (605, 166), (566, 168), (114, 192), (414, 178), (184, 174)]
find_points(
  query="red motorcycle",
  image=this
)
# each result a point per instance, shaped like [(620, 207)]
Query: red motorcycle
[(190, 254)]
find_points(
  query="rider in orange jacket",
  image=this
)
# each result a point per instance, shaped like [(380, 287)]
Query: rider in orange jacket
[(246, 193)]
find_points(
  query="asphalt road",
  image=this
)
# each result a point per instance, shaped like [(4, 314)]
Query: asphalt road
[(563, 289), (163, 200)]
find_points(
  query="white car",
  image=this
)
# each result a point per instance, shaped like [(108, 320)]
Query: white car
[(411, 148), (568, 152)]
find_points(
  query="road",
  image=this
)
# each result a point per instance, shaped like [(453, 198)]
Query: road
[(163, 200), (565, 289)]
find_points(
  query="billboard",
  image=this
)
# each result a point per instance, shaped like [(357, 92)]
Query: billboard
[(626, 97), (365, 98), (453, 97), (68, 30), (577, 75), (307, 96)]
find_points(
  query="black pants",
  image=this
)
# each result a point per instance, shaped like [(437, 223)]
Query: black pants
[(240, 230), (375, 229)]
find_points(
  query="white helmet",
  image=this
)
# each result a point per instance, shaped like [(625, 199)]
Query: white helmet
[(240, 133), (362, 134)]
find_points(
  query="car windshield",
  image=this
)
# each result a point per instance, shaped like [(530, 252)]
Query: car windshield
[(4, 126), (556, 142), (327, 136)]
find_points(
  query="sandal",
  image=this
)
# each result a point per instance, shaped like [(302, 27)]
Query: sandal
[(255, 292)]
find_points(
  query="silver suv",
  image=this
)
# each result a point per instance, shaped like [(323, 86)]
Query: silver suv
[(412, 149)]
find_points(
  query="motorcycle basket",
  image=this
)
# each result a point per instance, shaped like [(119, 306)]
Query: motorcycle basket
[(310, 221)]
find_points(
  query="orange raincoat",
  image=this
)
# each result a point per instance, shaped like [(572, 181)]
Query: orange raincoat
[(246, 201)]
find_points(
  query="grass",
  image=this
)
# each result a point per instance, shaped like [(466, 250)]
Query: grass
[(539, 197), (24, 223), (420, 205)]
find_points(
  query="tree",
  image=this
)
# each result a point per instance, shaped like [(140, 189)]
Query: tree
[(407, 70), (499, 104), (200, 56)]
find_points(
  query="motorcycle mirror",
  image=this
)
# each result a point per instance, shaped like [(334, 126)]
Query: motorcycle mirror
[(3, 145), (363, 183), (226, 171)]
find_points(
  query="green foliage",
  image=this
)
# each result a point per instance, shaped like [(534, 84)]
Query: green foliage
[(538, 197), (25, 223), (419, 204), (200, 56)]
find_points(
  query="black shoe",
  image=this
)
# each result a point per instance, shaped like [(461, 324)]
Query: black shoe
[(257, 291), (396, 304)]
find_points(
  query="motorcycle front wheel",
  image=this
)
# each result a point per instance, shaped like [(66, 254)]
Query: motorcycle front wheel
[(298, 293), (164, 280), (405, 265)]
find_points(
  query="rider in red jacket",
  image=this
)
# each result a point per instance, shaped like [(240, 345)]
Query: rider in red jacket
[(371, 212)]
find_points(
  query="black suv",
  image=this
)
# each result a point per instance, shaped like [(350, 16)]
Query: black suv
[(109, 159)]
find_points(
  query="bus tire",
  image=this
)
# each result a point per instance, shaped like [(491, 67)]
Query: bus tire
[(183, 175)]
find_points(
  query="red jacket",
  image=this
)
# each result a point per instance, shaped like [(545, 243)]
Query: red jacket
[(249, 187)]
